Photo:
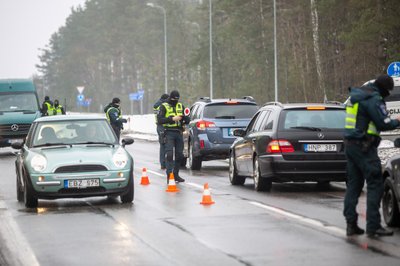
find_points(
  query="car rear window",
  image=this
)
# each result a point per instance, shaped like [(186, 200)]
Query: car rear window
[(230, 111), (313, 119)]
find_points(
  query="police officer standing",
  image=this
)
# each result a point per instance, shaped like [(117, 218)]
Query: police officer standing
[(47, 107), (58, 108), (114, 116), (366, 117), (171, 116), (160, 129)]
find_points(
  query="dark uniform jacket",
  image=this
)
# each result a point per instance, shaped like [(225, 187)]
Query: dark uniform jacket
[(371, 108), (115, 116)]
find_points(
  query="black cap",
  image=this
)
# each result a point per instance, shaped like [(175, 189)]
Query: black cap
[(116, 100), (174, 95), (384, 82), (164, 96), (46, 98)]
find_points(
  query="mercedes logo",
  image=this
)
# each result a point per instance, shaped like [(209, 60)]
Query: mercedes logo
[(321, 135), (14, 127)]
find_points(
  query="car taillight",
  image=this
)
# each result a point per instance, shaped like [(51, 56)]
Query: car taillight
[(279, 146), (202, 125)]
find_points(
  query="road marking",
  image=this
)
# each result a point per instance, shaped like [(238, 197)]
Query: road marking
[(20, 252)]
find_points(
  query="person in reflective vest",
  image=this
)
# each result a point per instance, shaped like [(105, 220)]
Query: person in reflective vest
[(58, 108), (47, 107), (366, 116), (171, 116), (114, 116), (160, 129)]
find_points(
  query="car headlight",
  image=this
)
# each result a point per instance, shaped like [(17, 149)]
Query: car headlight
[(38, 163), (120, 159)]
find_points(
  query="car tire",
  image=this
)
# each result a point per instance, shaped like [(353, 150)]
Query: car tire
[(194, 161), (30, 200), (260, 183), (234, 178), (20, 192), (129, 195), (390, 206)]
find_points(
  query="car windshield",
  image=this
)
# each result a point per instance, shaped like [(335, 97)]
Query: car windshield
[(312, 120), (18, 102), (230, 111), (73, 132)]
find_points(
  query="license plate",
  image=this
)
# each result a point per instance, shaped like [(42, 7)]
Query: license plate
[(82, 183), (320, 147), (11, 141)]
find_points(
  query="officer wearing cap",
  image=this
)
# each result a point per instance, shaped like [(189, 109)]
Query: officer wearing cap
[(47, 107), (366, 117), (114, 116), (171, 116)]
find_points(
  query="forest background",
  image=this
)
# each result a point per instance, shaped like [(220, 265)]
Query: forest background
[(115, 48)]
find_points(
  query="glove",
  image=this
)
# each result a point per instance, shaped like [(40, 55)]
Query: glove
[(123, 120)]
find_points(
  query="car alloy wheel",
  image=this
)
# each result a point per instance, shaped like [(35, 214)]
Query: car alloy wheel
[(194, 162), (260, 184), (390, 207), (234, 178)]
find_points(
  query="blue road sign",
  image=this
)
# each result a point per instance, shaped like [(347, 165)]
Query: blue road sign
[(133, 96), (80, 97), (394, 69)]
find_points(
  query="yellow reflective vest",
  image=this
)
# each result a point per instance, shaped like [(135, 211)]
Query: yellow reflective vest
[(170, 111), (351, 119)]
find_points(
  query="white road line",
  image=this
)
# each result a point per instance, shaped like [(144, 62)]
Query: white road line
[(15, 242), (315, 223)]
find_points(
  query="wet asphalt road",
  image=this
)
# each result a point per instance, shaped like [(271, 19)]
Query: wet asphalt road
[(294, 224)]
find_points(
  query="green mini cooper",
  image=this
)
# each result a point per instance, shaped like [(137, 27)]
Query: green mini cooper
[(72, 156)]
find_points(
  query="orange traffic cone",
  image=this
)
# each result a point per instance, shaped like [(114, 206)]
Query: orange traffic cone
[(206, 196), (145, 178), (171, 184)]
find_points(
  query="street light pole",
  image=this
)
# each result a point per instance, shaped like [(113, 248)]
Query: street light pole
[(211, 57), (165, 44), (275, 56)]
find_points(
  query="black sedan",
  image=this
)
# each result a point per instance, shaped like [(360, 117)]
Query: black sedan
[(290, 143)]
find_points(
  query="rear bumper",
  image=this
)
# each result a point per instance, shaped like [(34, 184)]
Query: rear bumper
[(214, 151), (280, 170)]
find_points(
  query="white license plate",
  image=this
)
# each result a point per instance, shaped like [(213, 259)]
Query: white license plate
[(320, 147), (82, 183)]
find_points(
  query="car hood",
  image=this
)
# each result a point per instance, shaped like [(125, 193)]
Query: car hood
[(79, 155), (18, 117)]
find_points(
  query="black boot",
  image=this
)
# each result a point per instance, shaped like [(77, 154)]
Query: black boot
[(353, 229), (380, 232)]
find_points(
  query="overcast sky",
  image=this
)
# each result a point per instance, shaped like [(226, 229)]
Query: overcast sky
[(26, 26)]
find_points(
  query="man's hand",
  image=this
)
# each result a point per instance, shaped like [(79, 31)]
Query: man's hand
[(176, 118)]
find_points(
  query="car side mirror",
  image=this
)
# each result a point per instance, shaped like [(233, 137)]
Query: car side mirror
[(397, 143), (17, 145), (127, 141), (239, 132)]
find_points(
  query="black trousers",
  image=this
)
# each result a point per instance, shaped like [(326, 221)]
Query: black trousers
[(173, 146), (363, 166)]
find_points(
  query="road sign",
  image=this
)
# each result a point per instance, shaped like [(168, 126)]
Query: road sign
[(133, 96), (80, 89), (394, 69), (80, 97), (187, 111)]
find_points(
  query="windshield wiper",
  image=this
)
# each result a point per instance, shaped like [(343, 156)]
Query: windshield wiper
[(93, 142), (225, 117), (52, 144), (308, 128)]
